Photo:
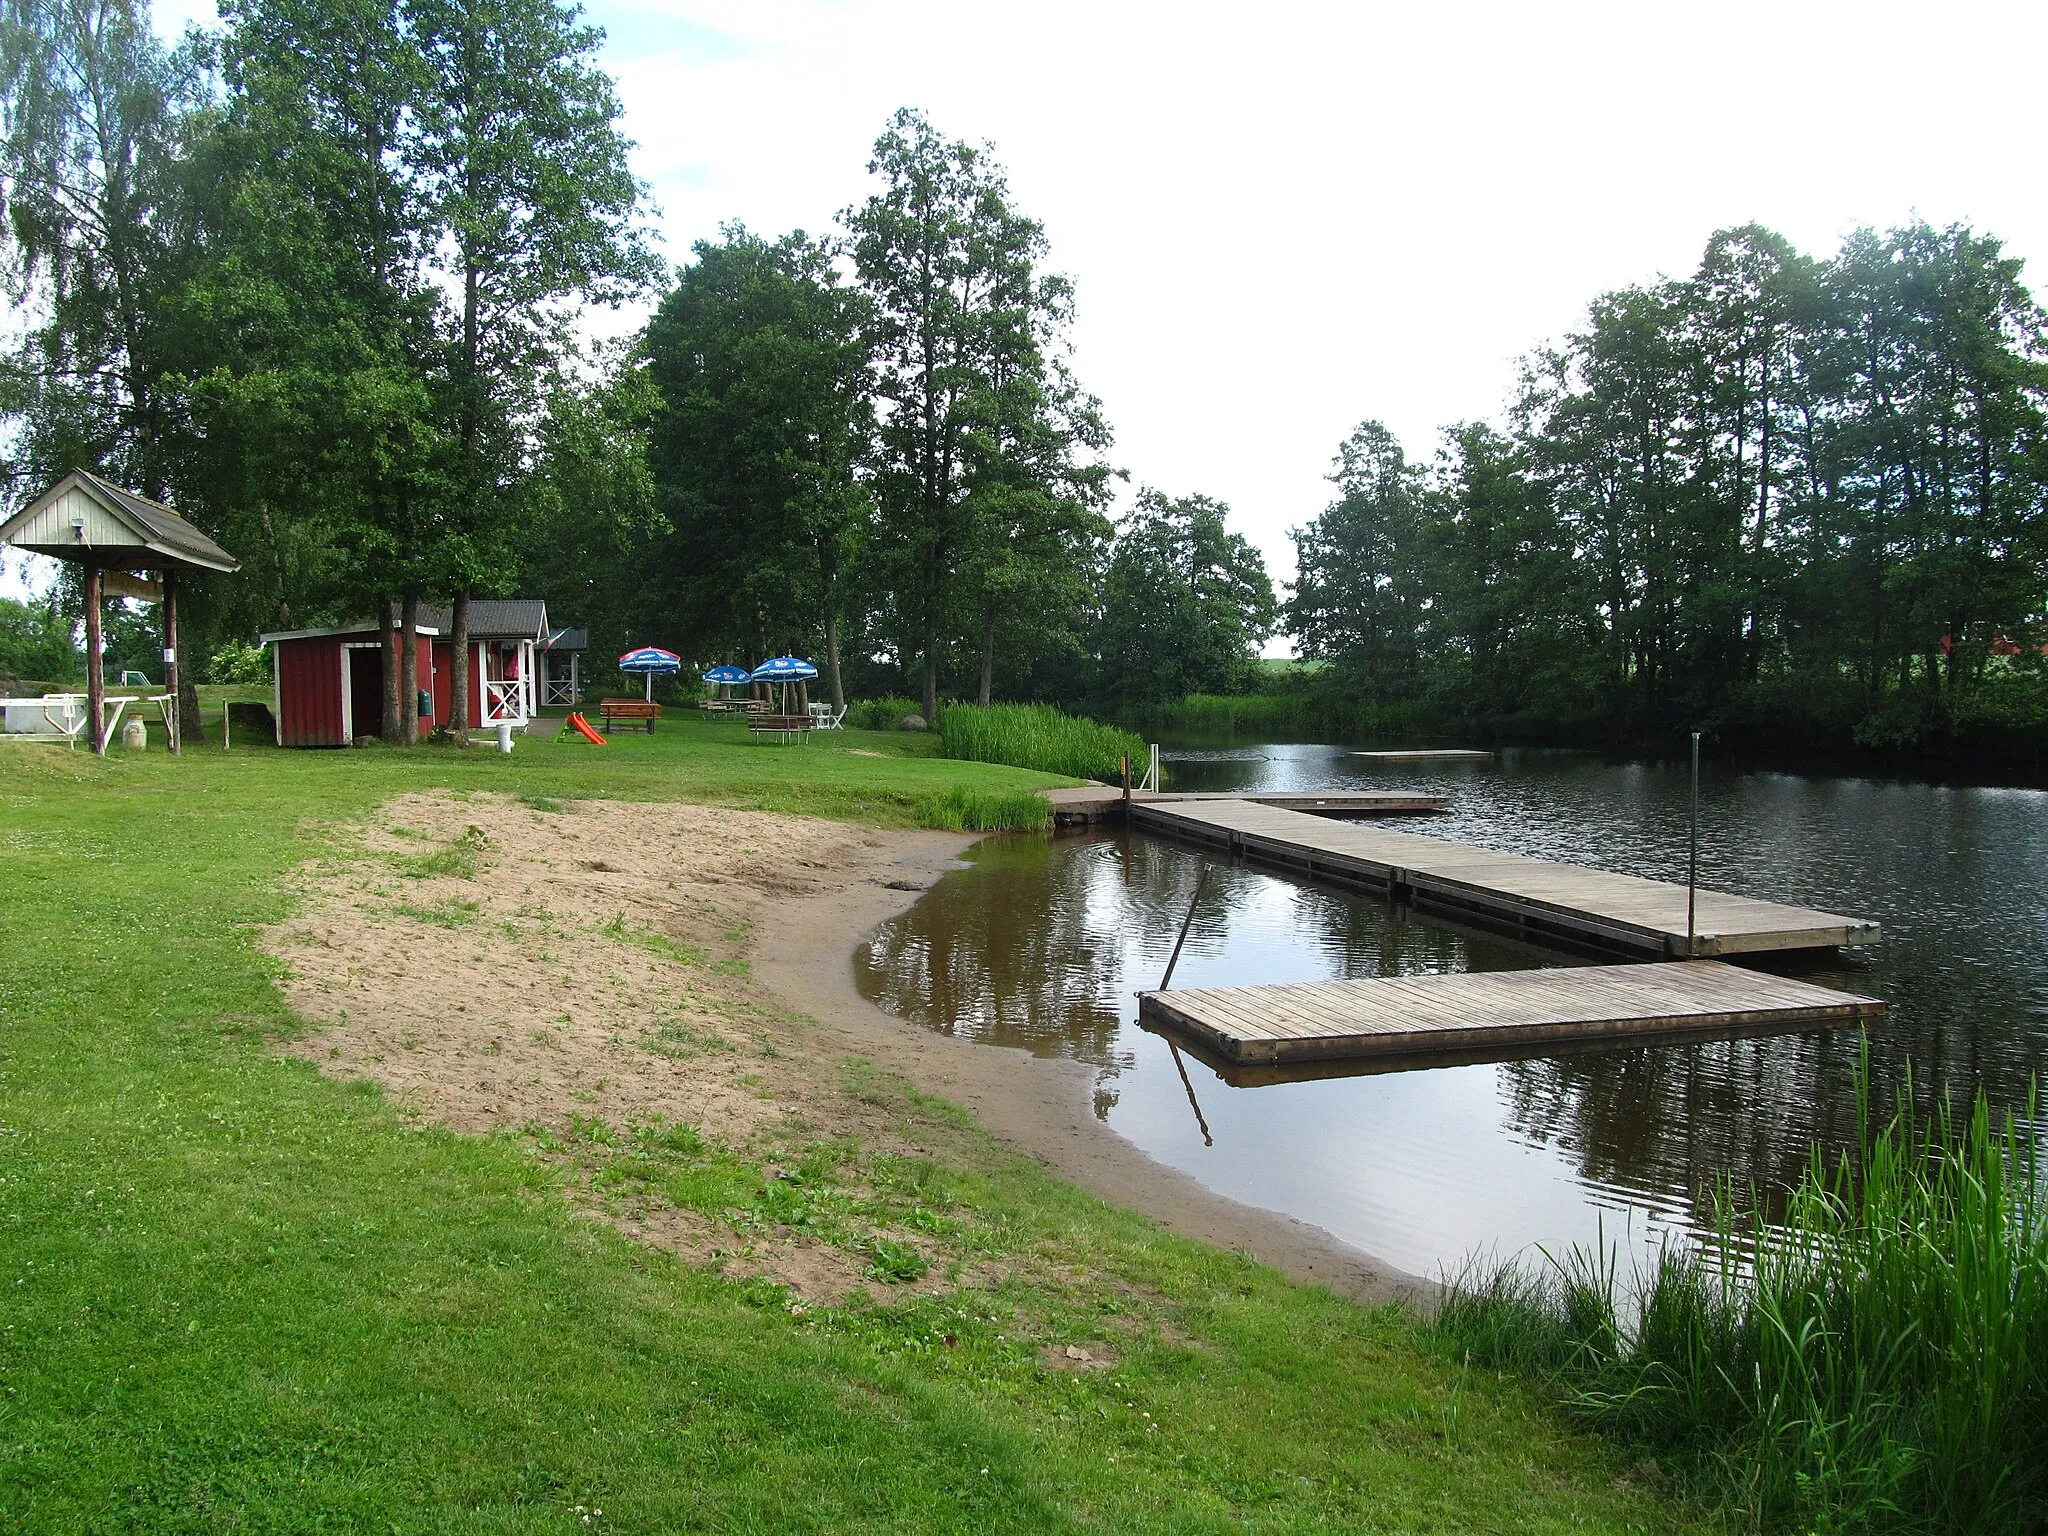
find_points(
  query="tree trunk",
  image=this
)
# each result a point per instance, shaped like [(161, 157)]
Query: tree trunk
[(174, 718), (393, 724), (181, 683), (988, 655), (458, 687), (832, 678), (409, 671), (95, 658), (931, 678), (191, 727)]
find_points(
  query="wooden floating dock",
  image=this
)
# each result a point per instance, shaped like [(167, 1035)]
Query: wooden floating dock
[(1555, 904), (1400, 1016), (1095, 802), (1430, 755)]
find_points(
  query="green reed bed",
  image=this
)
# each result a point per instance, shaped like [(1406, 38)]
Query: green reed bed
[(984, 810), (1875, 1359), (1037, 736)]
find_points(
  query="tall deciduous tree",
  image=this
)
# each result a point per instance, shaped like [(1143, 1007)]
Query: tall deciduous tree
[(532, 211), (1360, 585), (760, 359), (342, 321), (1185, 606), (961, 315), (92, 111)]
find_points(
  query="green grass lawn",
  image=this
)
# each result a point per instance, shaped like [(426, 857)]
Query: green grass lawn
[(238, 1296)]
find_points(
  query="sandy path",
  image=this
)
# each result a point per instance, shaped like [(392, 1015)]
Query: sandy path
[(540, 968)]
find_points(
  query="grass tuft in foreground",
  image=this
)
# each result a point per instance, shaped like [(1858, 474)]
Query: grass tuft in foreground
[(1876, 1360), (1037, 736)]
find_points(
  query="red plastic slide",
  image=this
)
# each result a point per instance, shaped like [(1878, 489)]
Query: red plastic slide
[(583, 729)]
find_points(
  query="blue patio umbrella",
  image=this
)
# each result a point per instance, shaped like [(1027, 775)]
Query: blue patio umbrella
[(783, 669), (652, 660), (724, 677)]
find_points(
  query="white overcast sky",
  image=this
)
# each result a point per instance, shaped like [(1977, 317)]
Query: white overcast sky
[(1282, 219)]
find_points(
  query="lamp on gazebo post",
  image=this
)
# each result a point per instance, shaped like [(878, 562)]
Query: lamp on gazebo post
[(110, 534)]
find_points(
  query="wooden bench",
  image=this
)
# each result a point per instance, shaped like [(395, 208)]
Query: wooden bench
[(615, 710), (784, 726)]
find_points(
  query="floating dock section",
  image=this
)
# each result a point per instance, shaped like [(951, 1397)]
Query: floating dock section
[(1533, 899), (1093, 802), (1429, 755), (1398, 1016)]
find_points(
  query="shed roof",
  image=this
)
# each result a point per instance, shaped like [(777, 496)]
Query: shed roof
[(358, 627), (567, 640), (83, 517), (495, 618)]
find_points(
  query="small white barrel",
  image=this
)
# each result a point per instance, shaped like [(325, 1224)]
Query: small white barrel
[(504, 735), (135, 735)]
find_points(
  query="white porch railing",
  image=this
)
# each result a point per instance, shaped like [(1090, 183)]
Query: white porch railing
[(507, 699), (559, 692)]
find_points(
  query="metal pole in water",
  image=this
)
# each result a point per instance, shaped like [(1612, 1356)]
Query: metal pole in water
[(1186, 923), (1173, 960), (1692, 852)]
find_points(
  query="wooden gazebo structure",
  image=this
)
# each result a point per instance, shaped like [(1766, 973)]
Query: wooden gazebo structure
[(112, 533)]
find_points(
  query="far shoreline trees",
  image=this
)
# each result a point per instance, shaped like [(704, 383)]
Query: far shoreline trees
[(1781, 499)]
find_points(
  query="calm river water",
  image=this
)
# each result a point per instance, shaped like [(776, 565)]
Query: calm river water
[(1043, 941)]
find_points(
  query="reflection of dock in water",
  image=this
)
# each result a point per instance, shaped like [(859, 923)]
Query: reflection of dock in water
[(1402, 1022), (1528, 898)]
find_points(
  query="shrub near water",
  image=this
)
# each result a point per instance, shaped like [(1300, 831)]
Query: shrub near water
[(1876, 1360), (1037, 736)]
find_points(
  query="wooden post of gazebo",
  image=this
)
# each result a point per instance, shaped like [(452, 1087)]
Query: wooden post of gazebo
[(102, 528)]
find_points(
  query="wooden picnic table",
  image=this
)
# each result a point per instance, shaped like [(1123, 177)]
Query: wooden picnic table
[(615, 710), (785, 726)]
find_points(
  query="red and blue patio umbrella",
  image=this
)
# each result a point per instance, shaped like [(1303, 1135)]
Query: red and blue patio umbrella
[(652, 660)]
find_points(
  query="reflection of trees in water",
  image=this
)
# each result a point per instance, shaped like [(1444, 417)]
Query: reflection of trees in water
[(1671, 1122), (1024, 950), (1041, 947)]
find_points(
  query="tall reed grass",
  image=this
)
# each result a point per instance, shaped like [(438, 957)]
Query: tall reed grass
[(984, 810), (1037, 736), (1874, 1360)]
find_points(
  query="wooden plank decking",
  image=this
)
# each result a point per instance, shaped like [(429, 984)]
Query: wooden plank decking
[(1101, 802), (1429, 755), (1476, 1011), (1530, 898)]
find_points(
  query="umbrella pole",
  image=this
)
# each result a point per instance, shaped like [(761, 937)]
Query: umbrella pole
[(650, 687)]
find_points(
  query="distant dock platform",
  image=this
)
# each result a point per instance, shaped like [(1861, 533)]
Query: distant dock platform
[(1095, 802), (1532, 899), (1394, 1017), (1430, 755)]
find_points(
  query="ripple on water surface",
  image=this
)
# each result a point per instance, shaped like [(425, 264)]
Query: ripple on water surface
[(1043, 942)]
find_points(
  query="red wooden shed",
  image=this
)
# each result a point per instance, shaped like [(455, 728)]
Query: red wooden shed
[(329, 682)]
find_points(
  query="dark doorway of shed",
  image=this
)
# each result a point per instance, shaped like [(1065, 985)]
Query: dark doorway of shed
[(365, 690)]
